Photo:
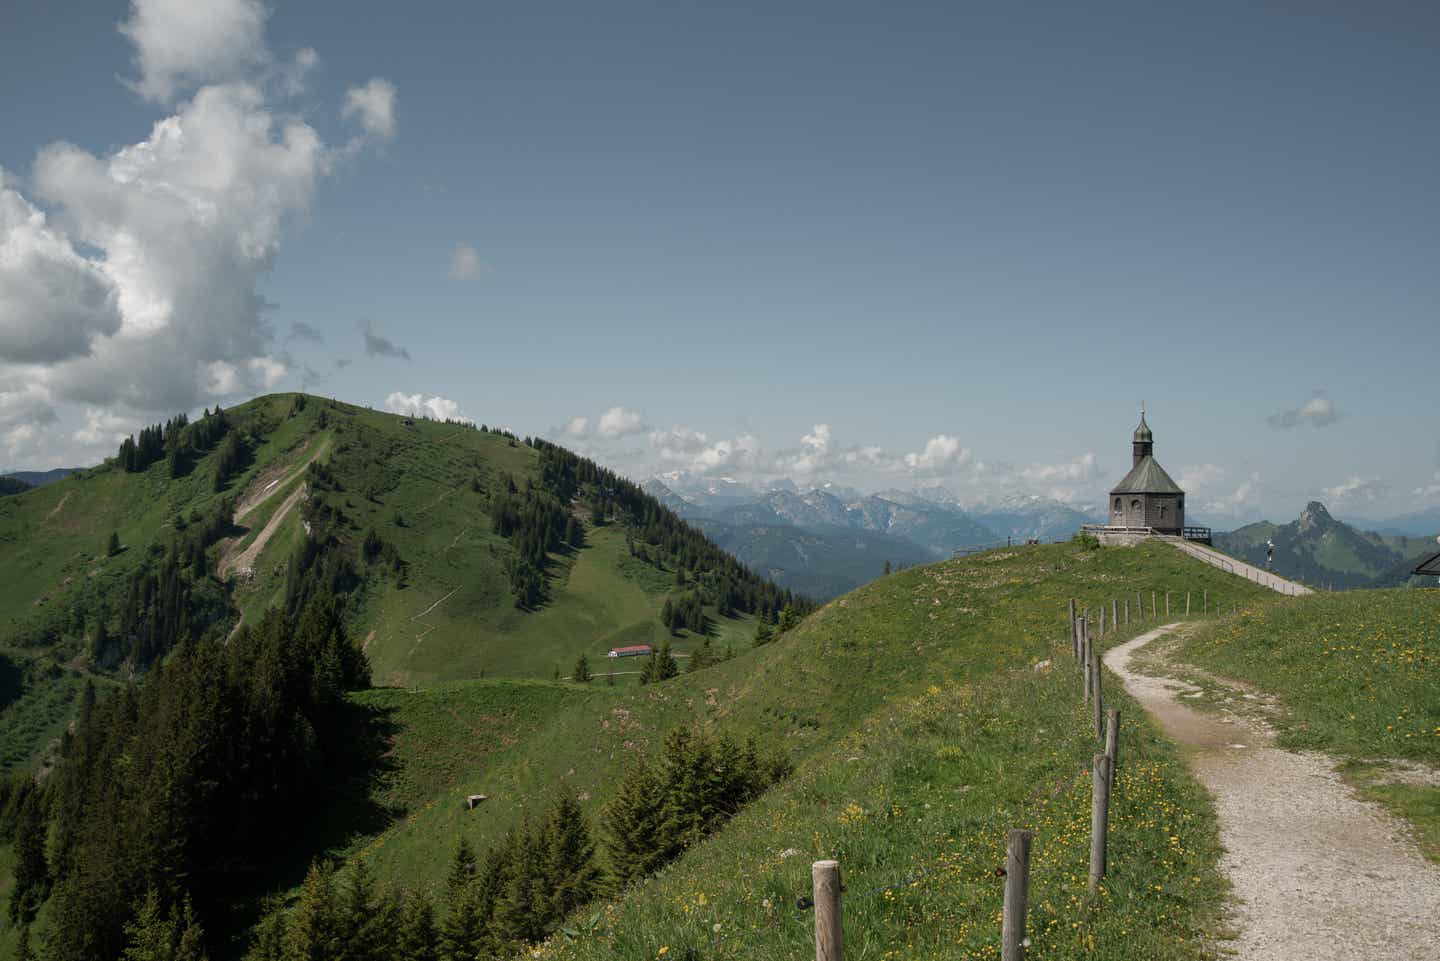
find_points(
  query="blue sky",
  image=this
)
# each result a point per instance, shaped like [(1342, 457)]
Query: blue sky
[(965, 240)]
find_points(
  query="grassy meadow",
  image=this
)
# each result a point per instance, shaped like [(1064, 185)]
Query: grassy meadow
[(922, 730)]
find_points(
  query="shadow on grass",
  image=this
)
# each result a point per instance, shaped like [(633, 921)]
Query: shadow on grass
[(344, 812)]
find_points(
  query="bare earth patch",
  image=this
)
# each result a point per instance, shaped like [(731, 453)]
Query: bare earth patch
[(244, 562), (1318, 873)]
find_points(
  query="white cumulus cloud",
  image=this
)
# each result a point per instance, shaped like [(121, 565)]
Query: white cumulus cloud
[(465, 263), (1318, 411), (418, 405), (43, 278), (1356, 489), (372, 105), (184, 42), (1431, 491), (940, 452), (620, 422)]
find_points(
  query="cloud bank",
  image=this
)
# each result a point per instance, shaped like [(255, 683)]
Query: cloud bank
[(621, 438)]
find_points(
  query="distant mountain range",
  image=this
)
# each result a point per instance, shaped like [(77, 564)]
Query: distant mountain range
[(39, 478), (830, 539), (1321, 551)]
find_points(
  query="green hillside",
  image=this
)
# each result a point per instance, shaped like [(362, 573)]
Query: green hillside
[(914, 694), (886, 674), (405, 507), (924, 678)]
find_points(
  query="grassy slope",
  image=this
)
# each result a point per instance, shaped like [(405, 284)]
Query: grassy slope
[(925, 679), (1356, 674)]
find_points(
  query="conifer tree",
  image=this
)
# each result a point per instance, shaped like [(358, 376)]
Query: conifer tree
[(665, 665), (191, 946), (268, 943), (112, 547), (314, 931), (23, 951), (31, 872), (150, 935), (419, 940), (631, 822), (362, 921), (462, 867), (581, 674), (572, 876), (521, 915), (462, 935)]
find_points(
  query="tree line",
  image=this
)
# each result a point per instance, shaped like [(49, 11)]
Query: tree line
[(659, 536), (189, 783), (178, 442)]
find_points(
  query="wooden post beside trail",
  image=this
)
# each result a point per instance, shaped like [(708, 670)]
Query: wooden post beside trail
[(1205, 603), (1127, 612), (1085, 667), (1099, 702), (829, 937), (1167, 603), (1112, 741), (1114, 615), (1099, 818), (1074, 636), (1139, 606), (1154, 610), (1017, 893), (1102, 620), (1187, 603)]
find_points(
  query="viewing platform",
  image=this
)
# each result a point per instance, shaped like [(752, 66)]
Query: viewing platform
[(1113, 534)]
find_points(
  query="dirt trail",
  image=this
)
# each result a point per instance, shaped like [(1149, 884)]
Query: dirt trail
[(57, 508), (244, 562), (1320, 874)]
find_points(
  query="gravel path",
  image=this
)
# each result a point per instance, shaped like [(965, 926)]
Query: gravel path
[(1320, 874)]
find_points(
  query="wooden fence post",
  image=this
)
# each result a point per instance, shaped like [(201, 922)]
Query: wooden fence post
[(1114, 615), (1099, 701), (829, 936), (1112, 741), (1074, 637), (1099, 818), (1154, 610), (1102, 620), (1017, 893), (1167, 603), (1085, 667), (1205, 603), (1127, 612), (1139, 606), (1187, 603)]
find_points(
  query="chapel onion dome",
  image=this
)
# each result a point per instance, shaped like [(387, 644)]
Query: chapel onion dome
[(1142, 433)]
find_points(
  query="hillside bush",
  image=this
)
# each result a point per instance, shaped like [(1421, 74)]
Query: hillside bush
[(666, 804)]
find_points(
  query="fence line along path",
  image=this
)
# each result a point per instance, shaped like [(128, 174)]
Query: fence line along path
[(1239, 568)]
